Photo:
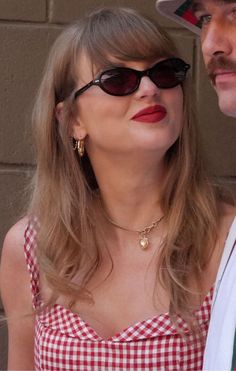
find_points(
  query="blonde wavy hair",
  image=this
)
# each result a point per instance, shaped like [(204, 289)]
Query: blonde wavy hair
[(65, 186)]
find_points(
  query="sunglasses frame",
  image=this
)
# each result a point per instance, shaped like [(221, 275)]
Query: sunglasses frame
[(148, 72)]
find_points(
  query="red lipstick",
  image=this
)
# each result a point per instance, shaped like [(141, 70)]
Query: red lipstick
[(151, 114)]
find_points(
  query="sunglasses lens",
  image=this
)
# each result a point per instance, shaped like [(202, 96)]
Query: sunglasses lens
[(119, 82), (169, 73)]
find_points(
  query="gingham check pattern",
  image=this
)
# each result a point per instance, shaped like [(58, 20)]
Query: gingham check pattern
[(63, 341)]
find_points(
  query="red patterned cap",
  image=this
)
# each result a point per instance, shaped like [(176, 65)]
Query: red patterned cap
[(180, 12)]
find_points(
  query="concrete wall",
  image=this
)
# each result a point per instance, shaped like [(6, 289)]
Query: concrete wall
[(27, 29)]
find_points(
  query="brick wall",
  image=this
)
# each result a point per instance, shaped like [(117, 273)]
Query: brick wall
[(27, 29)]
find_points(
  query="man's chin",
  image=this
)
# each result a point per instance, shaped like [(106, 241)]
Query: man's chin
[(227, 100), (228, 109)]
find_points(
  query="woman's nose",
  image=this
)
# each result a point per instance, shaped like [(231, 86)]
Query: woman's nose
[(147, 88)]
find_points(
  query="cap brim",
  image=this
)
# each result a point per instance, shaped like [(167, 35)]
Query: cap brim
[(180, 12)]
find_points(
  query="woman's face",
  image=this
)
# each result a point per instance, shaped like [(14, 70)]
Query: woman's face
[(119, 125)]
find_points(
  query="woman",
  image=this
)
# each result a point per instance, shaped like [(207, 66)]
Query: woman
[(124, 234)]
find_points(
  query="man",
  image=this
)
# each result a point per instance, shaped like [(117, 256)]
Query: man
[(215, 22)]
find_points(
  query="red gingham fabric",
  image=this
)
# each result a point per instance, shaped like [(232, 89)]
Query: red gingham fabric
[(63, 341)]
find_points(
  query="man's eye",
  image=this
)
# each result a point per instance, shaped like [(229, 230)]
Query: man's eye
[(205, 19), (233, 11)]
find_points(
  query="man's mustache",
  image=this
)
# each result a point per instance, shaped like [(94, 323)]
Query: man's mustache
[(219, 63)]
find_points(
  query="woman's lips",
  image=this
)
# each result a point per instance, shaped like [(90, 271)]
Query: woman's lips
[(150, 114)]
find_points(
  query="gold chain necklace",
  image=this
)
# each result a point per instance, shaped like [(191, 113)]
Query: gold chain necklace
[(143, 233)]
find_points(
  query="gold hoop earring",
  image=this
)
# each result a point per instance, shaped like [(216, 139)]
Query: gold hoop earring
[(79, 146)]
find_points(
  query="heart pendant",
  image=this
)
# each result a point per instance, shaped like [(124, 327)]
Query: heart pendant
[(143, 242)]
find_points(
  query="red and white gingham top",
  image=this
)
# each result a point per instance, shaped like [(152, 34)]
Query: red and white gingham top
[(63, 341)]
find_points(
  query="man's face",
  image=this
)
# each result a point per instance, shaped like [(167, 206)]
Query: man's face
[(218, 39)]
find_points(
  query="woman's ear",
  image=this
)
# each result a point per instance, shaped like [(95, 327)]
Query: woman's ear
[(60, 112), (76, 129)]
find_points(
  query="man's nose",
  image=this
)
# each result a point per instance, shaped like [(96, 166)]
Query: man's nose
[(216, 39)]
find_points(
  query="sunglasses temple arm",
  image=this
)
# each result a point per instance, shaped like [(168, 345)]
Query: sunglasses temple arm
[(80, 91)]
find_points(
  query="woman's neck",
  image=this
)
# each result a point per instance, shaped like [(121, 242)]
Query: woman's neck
[(133, 204), (130, 187)]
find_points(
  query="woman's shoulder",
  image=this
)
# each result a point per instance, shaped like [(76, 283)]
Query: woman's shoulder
[(12, 257), (14, 276), (14, 239), (18, 227)]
